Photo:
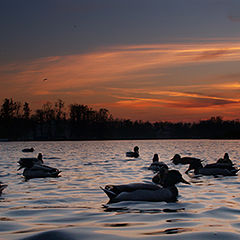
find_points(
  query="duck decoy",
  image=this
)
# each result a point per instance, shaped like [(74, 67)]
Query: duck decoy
[(156, 165), (134, 154), (146, 191), (34, 168), (177, 159), (211, 169), (40, 171), (2, 187), (28, 150), (225, 160), (26, 162)]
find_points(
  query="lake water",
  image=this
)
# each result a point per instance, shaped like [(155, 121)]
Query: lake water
[(74, 207)]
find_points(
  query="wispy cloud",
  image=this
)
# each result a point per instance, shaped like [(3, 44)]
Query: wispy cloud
[(234, 18), (139, 76)]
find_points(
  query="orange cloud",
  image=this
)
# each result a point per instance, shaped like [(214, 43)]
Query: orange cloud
[(140, 76)]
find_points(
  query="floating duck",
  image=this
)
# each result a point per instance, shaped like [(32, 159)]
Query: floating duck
[(34, 168), (134, 154), (212, 169), (2, 187), (156, 165), (40, 171), (28, 150), (146, 191), (177, 159), (225, 160), (26, 162)]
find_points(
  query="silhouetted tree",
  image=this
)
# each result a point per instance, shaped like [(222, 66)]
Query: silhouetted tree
[(26, 111), (59, 105)]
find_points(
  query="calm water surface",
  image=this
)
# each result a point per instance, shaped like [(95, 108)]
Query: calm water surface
[(74, 207)]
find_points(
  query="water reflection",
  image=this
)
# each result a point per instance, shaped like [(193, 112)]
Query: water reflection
[(108, 208), (73, 206)]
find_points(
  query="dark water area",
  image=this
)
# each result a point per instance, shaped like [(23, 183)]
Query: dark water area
[(74, 207)]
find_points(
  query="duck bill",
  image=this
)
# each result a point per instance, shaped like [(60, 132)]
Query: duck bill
[(184, 181), (20, 168)]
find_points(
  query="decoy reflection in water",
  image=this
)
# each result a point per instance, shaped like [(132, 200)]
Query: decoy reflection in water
[(146, 191), (156, 165), (33, 168), (134, 154)]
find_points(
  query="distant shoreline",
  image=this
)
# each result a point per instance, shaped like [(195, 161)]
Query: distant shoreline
[(113, 139)]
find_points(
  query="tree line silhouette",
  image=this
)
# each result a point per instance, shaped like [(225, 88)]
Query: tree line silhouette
[(80, 122)]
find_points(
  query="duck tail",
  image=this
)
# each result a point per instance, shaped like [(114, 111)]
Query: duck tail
[(109, 193), (235, 171)]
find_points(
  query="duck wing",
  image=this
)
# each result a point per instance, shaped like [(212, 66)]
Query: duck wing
[(161, 194)]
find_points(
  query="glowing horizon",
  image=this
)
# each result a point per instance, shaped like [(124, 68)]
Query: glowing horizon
[(137, 80)]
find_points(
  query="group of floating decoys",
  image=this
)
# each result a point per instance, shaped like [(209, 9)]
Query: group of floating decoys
[(163, 183), (162, 187), (34, 168)]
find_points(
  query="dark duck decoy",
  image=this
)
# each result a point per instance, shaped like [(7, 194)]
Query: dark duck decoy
[(225, 160), (177, 159), (2, 187), (146, 191), (224, 163), (25, 162), (156, 165), (35, 169), (28, 150), (212, 169), (134, 154)]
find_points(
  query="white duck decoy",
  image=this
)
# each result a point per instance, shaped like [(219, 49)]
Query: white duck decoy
[(146, 191), (134, 154)]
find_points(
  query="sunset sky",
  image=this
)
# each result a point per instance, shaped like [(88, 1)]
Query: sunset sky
[(155, 60)]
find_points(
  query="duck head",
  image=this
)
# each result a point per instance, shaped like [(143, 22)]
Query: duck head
[(176, 159), (173, 177), (161, 175), (168, 178), (136, 149), (155, 158)]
